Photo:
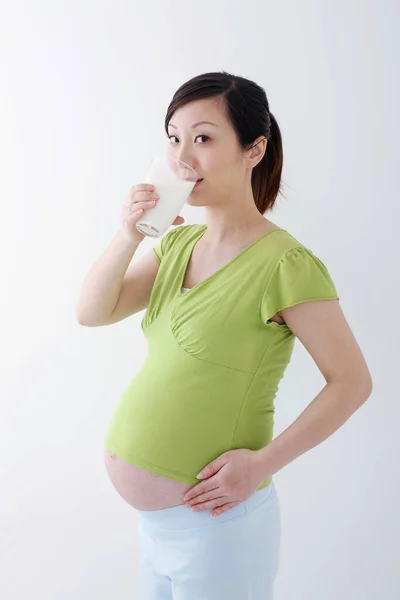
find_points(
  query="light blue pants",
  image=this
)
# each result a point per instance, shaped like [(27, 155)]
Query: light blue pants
[(187, 555)]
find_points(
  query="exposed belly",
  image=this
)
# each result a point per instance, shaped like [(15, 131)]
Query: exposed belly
[(142, 489)]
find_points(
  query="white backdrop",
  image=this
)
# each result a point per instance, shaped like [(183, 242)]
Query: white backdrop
[(84, 90)]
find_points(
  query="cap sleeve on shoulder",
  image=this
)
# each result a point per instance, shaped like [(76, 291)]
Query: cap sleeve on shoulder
[(163, 245), (299, 276)]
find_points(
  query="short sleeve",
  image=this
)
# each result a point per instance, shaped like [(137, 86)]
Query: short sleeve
[(299, 276), (162, 247), (158, 250)]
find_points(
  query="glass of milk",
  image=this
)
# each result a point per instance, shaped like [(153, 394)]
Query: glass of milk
[(174, 181)]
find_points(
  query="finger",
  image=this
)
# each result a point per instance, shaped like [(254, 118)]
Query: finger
[(206, 497), (143, 197), (137, 212), (142, 187), (141, 206), (136, 215), (200, 488), (224, 508), (214, 503)]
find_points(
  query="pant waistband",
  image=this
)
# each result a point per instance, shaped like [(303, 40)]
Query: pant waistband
[(181, 517)]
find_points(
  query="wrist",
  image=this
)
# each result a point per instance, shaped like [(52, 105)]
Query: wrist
[(128, 241), (264, 460)]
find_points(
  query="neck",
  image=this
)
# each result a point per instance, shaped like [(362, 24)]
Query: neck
[(233, 221)]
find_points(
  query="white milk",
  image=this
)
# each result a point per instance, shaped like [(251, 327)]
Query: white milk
[(155, 221)]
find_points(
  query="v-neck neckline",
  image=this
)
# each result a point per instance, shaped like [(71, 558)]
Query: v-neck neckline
[(225, 266)]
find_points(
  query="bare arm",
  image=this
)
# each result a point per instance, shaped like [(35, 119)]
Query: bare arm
[(111, 291), (325, 333)]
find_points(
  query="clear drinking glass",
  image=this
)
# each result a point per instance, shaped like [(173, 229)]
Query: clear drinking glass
[(174, 181)]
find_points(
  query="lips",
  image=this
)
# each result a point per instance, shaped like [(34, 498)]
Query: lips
[(197, 182)]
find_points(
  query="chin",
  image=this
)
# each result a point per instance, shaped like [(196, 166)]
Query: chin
[(195, 200)]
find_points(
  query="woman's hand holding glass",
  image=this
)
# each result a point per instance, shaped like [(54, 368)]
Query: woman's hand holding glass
[(141, 197)]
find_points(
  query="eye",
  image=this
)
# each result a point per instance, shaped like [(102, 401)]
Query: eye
[(170, 137), (203, 136)]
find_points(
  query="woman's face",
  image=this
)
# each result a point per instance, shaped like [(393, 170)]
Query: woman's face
[(211, 149)]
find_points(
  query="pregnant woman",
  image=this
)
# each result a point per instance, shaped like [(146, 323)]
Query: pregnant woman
[(190, 446)]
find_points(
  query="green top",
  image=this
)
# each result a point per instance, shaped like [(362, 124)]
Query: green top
[(213, 367)]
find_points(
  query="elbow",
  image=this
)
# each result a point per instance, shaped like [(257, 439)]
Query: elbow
[(82, 320), (86, 321), (83, 323), (79, 316), (365, 383), (362, 388), (369, 386), (356, 389)]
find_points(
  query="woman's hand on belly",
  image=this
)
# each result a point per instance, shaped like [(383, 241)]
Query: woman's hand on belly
[(228, 480)]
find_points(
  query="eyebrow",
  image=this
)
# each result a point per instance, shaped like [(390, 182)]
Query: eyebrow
[(197, 124)]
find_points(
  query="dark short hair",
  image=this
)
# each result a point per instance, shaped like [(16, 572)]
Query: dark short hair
[(247, 109)]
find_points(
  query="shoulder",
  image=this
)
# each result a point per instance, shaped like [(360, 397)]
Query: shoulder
[(285, 242), (177, 238), (292, 251), (183, 234), (297, 275)]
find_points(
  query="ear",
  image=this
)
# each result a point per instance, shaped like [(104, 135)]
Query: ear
[(256, 152)]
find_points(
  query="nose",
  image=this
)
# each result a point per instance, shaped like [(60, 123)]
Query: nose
[(185, 154)]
